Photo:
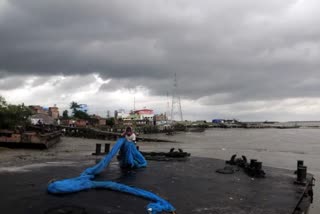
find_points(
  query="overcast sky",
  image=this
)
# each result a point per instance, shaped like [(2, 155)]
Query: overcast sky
[(248, 59)]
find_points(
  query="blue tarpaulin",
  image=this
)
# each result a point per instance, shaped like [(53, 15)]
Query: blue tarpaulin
[(129, 157)]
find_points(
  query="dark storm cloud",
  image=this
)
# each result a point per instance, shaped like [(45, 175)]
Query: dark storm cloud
[(222, 52)]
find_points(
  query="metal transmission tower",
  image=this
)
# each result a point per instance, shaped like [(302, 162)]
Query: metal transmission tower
[(168, 113), (176, 111)]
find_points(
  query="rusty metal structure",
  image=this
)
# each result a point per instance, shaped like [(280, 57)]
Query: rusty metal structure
[(34, 136), (93, 133)]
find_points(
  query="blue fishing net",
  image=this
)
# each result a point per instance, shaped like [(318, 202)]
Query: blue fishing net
[(129, 157)]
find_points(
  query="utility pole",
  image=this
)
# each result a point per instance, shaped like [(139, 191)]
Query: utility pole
[(168, 108), (134, 103)]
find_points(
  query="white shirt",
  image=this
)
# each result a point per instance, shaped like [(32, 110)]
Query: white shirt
[(131, 138)]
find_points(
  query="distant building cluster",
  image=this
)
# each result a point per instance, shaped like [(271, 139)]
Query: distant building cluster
[(44, 115), (140, 117), (94, 120), (224, 121)]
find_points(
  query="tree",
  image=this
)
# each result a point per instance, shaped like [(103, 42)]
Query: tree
[(13, 115), (65, 114), (81, 115), (110, 121), (78, 113), (3, 102), (74, 107)]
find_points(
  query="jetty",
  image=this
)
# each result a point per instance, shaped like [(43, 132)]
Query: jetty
[(192, 186), (93, 133)]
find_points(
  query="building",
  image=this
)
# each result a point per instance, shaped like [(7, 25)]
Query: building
[(40, 118), (131, 116), (81, 123), (220, 121), (97, 120), (74, 123), (129, 122), (37, 109), (54, 112), (160, 119), (121, 114), (135, 118), (144, 114)]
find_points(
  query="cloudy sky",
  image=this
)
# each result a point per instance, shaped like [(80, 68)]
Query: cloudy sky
[(249, 59)]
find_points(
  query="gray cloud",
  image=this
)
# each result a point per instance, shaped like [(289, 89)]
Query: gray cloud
[(7, 84), (223, 52)]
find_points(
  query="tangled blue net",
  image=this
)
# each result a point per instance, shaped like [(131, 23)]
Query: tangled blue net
[(129, 157)]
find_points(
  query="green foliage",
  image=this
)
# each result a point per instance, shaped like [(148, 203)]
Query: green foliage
[(74, 107), (204, 125), (81, 115), (179, 127), (76, 113), (110, 121), (13, 115), (2, 102), (65, 114)]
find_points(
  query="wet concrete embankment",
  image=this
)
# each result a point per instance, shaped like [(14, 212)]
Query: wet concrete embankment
[(275, 147)]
